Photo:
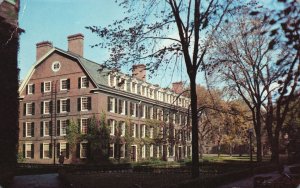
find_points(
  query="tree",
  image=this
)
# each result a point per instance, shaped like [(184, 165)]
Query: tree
[(73, 136), (163, 33), (251, 65)]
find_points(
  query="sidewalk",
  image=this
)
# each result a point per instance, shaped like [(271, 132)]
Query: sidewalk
[(248, 182)]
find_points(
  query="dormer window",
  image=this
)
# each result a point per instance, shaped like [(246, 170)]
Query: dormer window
[(83, 82)]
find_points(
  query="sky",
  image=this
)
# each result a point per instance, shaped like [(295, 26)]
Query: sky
[(54, 20)]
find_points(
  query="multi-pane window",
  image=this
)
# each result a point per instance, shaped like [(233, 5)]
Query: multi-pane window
[(122, 128), (151, 132), (30, 88), (46, 128), (143, 131), (144, 151), (83, 150), (84, 126), (63, 105), (112, 126), (29, 129), (151, 150), (122, 107), (112, 104), (47, 86), (135, 130), (64, 84), (142, 111), (46, 107), (29, 108), (63, 149), (84, 82), (151, 112), (157, 151), (111, 151), (84, 103), (133, 109), (28, 150), (133, 87), (122, 151), (46, 151), (63, 127)]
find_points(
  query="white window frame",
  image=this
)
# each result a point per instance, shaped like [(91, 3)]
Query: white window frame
[(143, 130), (28, 127), (44, 128), (124, 152), (134, 109), (83, 84), (60, 147), (112, 125), (143, 151), (30, 89), (123, 103), (28, 112), (112, 105), (61, 105), (61, 127), (151, 130), (28, 157), (81, 125), (44, 157), (61, 84), (113, 151), (157, 150), (151, 150), (123, 128), (134, 130), (81, 147), (47, 91), (44, 110), (81, 103)]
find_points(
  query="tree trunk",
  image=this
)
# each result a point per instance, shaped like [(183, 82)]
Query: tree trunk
[(258, 134), (195, 129), (275, 151)]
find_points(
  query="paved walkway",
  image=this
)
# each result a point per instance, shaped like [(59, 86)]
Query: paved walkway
[(248, 182), (35, 181)]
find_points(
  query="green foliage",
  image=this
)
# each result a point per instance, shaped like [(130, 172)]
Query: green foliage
[(73, 135)]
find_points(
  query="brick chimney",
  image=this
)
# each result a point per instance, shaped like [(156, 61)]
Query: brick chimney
[(75, 44), (177, 87), (139, 71), (42, 48)]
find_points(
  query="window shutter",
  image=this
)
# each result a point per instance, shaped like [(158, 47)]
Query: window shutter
[(78, 150), (50, 150), (24, 151), (126, 107), (58, 106), (68, 122), (79, 83), (26, 89), (51, 107), (41, 129), (89, 103), (78, 126), (58, 149), (41, 151), (108, 104), (67, 150), (24, 129), (120, 106), (136, 109), (32, 129), (42, 107), (33, 108), (50, 128), (58, 127), (42, 87), (88, 150), (68, 84), (24, 109), (116, 105), (68, 105), (32, 151), (33, 88), (79, 104)]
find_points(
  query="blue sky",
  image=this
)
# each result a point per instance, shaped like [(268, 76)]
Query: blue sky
[(54, 20)]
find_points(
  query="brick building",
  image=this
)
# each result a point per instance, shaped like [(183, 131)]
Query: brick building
[(64, 87)]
